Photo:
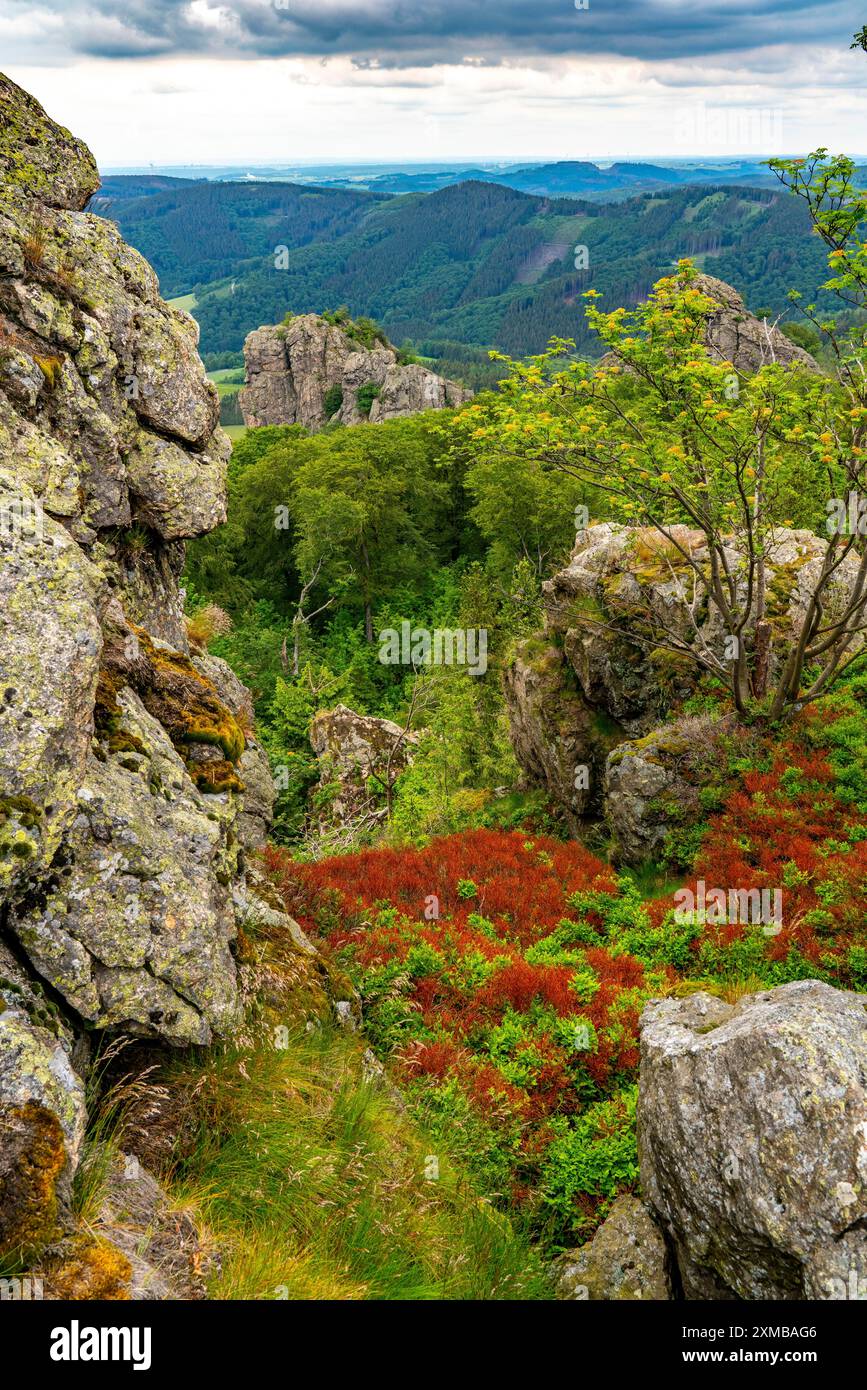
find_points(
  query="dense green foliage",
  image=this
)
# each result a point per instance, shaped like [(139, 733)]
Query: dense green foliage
[(198, 232), (475, 263), (391, 523)]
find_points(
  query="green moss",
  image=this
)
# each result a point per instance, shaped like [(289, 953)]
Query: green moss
[(21, 808), (185, 703)]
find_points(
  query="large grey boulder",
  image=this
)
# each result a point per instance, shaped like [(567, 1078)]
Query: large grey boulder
[(653, 785), (752, 1124)]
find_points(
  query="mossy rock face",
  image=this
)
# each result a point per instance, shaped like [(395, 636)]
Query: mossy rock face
[(120, 781), (653, 784), (51, 639), (33, 1157), (136, 932), (41, 1131), (40, 156), (560, 740), (179, 695), (85, 1269)]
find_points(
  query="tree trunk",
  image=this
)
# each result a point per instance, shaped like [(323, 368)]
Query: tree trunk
[(762, 666)]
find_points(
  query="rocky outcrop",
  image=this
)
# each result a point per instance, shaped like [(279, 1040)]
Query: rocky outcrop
[(560, 741), (654, 783), (752, 1125), (360, 759), (309, 371), (627, 1259), (119, 758), (132, 786), (735, 335), (168, 1256), (42, 1118), (605, 672)]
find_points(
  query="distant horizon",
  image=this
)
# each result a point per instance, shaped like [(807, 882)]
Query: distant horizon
[(463, 162)]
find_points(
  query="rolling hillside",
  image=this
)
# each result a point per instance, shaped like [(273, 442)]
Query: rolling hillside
[(476, 264)]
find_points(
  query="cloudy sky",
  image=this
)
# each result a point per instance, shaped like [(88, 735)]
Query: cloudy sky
[(259, 81)]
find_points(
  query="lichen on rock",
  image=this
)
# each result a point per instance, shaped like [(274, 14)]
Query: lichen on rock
[(119, 762), (294, 371)]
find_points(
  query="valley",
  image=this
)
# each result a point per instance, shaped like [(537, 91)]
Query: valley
[(433, 772)]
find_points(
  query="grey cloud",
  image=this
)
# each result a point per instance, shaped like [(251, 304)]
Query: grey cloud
[(427, 32)]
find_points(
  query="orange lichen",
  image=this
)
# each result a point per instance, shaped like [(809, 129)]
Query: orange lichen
[(34, 1156), (88, 1269)]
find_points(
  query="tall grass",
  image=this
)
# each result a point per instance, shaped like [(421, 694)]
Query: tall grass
[(316, 1186)]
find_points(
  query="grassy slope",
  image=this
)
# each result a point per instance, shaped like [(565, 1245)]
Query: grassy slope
[(316, 1186)]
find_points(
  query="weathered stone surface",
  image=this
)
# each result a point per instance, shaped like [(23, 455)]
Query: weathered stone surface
[(291, 369), (560, 742), (98, 376), (737, 336), (654, 783), (146, 579), (626, 1259), (50, 642), (257, 811), (39, 156), (606, 664), (168, 1255), (135, 930), (177, 493), (413, 388), (117, 758), (42, 1116), (353, 748), (753, 1139)]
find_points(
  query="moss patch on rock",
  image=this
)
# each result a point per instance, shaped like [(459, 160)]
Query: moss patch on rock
[(32, 1157)]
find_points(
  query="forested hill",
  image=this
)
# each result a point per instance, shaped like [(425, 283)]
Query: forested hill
[(473, 263), (194, 231)]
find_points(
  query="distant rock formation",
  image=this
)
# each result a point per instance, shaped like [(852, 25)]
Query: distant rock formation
[(360, 758), (737, 336), (309, 371)]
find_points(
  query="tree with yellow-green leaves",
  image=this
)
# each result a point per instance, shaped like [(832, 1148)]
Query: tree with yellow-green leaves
[(667, 433)]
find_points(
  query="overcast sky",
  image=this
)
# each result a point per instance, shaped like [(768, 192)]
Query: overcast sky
[(258, 81)]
